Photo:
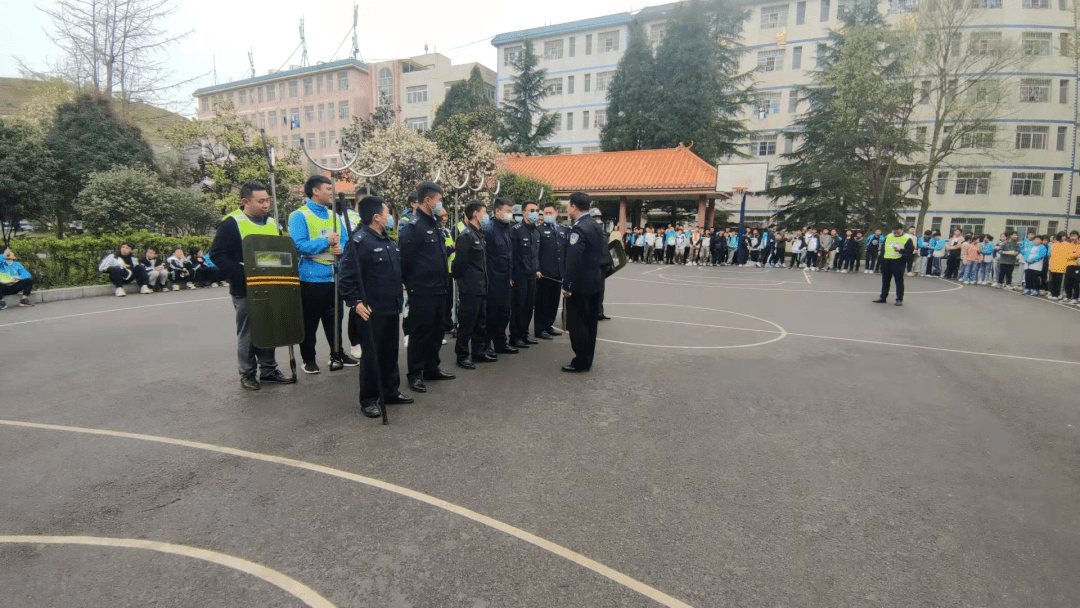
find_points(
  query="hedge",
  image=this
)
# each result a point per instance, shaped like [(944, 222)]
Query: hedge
[(73, 261)]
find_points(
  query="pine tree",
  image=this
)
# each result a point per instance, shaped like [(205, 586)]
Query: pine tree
[(465, 97), (631, 111), (525, 125)]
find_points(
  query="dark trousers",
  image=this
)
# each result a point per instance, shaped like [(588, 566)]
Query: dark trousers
[(892, 270), (119, 276), (498, 317), (1033, 279), (811, 259), (380, 358), (582, 319), (22, 285), (670, 254), (523, 300), (871, 258), (547, 304), (317, 300), (600, 299), (424, 325), (848, 261), (448, 315), (1005, 272), (355, 327), (1055, 283), (471, 325), (250, 359), (204, 276), (1072, 282), (952, 267)]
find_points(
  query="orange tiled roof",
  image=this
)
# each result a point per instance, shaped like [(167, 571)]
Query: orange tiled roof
[(667, 170)]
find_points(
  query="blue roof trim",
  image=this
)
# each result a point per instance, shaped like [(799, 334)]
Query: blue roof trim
[(584, 24), (238, 84)]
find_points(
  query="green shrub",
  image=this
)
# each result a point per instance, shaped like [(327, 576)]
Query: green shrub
[(73, 261)]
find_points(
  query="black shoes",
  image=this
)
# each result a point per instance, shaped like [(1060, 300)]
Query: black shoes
[(879, 301), (250, 383), (515, 343), (572, 370), (509, 350), (371, 410), (310, 367), (342, 359), (417, 384), (530, 340), (276, 377), (439, 375), (399, 399), (603, 318), (545, 336), (485, 358), (466, 364)]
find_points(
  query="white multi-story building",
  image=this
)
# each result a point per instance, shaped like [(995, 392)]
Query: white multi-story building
[(1027, 182)]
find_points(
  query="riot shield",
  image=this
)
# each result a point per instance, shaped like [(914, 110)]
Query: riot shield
[(273, 291), (618, 258)]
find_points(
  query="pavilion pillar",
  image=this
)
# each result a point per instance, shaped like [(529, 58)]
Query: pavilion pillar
[(622, 213), (710, 214), (701, 211)]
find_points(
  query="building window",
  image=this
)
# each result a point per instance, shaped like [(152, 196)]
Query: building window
[(588, 82), (343, 81), (569, 121), (553, 49), (569, 85), (789, 143), (386, 87), (329, 82), (983, 138), (294, 118), (585, 119), (796, 58), (973, 182), (1027, 184), (935, 224), (553, 86), (824, 10), (416, 94), (770, 61), (322, 112), (793, 101), (1032, 138), (603, 80), (417, 124), (322, 140), (296, 141), (333, 138), (243, 98), (281, 90), (343, 109), (763, 144), (985, 43), (657, 31), (1034, 90), (600, 119), (330, 111), (975, 225), (1061, 133), (293, 89), (986, 4), (204, 102), (1063, 5), (508, 92), (1021, 227), (820, 58), (942, 182), (1035, 4), (1036, 43), (773, 16), (607, 42), (318, 84), (262, 120), (920, 134), (260, 89), (309, 140), (1055, 185), (308, 90), (1052, 227), (588, 44), (903, 6), (309, 113), (270, 93), (590, 150), (1063, 91), (271, 119), (800, 13), (558, 122), (1066, 49), (573, 46), (768, 103)]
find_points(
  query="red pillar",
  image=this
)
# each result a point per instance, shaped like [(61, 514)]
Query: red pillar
[(710, 214), (622, 214), (701, 211)]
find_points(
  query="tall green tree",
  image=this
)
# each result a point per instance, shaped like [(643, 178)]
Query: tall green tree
[(470, 96), (27, 176), (632, 118), (525, 125), (701, 93), (87, 136), (855, 137)]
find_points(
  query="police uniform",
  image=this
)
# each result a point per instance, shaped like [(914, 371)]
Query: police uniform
[(552, 264), (586, 251), (425, 272), (525, 241), (469, 270), (894, 252), (499, 266), (371, 273), (353, 224), (228, 250)]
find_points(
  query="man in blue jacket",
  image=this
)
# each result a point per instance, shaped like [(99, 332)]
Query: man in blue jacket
[(14, 279)]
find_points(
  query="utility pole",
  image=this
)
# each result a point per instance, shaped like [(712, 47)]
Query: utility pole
[(303, 45)]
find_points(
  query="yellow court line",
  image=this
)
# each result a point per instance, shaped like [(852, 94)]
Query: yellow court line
[(568, 554), (287, 584)]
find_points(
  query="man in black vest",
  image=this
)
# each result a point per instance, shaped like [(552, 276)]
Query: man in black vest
[(582, 283)]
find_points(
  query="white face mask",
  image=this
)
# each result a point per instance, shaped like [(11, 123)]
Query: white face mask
[(507, 217)]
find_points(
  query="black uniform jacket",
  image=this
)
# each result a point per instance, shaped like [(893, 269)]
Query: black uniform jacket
[(470, 263), (525, 242), (499, 259), (371, 272), (586, 251), (423, 256), (553, 250)]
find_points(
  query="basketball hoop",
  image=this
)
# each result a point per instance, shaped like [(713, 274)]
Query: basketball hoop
[(739, 189)]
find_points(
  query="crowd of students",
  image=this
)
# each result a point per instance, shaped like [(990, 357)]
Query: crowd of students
[(191, 269), (1047, 265)]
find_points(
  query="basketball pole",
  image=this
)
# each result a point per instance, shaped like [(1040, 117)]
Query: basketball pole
[(742, 220)]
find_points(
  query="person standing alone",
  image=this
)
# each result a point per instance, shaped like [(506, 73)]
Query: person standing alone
[(893, 263)]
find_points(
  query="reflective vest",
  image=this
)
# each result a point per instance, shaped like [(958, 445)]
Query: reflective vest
[(319, 228), (894, 246), (235, 213), (248, 227), (354, 219), (450, 243)]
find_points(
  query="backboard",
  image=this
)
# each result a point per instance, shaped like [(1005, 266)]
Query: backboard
[(752, 176)]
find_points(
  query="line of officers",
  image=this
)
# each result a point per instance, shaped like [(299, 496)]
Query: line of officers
[(509, 276)]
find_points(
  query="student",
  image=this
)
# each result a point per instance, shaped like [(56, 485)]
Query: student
[(986, 250), (953, 253), (639, 245), (670, 238), (798, 251), (937, 255), (849, 250), (923, 263), (1036, 260), (156, 272), (680, 245), (970, 256), (825, 249), (14, 278), (122, 269), (704, 250), (776, 260), (732, 246), (873, 245), (812, 245), (1008, 258), (858, 250), (1060, 252), (180, 272), (1072, 270), (755, 248), (650, 244)]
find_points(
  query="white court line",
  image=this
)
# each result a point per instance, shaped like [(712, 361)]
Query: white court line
[(788, 333), (287, 584), (102, 312), (559, 550), (814, 291), (806, 275)]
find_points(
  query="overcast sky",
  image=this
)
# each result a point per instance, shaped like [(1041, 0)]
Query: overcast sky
[(225, 31)]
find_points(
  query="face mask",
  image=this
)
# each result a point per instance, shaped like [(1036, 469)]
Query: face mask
[(549, 219), (438, 207), (507, 218), (389, 222), (517, 218), (533, 217), (484, 220)]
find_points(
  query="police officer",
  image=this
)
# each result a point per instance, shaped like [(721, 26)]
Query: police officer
[(425, 271), (371, 286), (585, 253), (470, 274), (896, 249), (228, 252), (407, 216), (552, 263), (354, 224), (499, 266), (526, 246)]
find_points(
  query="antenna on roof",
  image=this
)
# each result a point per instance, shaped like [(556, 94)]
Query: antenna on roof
[(251, 61), (355, 45), (303, 45), (215, 70)]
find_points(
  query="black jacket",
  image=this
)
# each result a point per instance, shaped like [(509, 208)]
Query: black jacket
[(499, 259), (552, 250), (423, 257), (371, 272), (586, 252), (227, 251), (525, 242), (470, 263)]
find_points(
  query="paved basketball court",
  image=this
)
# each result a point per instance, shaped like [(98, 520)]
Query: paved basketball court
[(747, 438)]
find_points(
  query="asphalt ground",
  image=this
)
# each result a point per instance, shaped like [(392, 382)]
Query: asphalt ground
[(746, 438)]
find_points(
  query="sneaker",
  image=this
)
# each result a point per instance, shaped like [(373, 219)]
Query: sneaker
[(25, 302), (191, 285), (444, 341), (175, 287), (356, 352), (911, 274), (120, 292), (345, 360), (310, 367), (3, 304), (145, 289)]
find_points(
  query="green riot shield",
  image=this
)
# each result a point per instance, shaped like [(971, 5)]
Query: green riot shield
[(273, 291), (618, 258)]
